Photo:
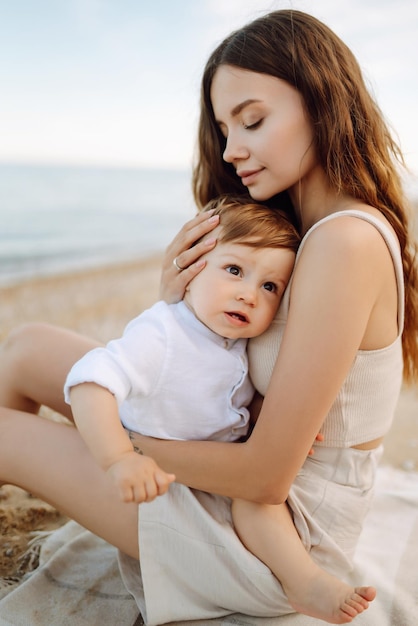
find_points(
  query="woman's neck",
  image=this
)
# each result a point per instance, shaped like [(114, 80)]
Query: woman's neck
[(313, 199)]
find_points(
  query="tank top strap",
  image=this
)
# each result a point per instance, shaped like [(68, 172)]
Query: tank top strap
[(391, 242)]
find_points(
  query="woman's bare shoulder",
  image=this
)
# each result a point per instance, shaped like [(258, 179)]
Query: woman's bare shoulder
[(346, 235)]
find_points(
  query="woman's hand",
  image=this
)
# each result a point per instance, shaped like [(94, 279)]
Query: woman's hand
[(176, 277), (319, 437)]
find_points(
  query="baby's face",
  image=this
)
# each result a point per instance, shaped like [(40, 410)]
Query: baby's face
[(238, 292)]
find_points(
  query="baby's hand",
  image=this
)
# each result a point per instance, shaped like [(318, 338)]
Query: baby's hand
[(138, 478)]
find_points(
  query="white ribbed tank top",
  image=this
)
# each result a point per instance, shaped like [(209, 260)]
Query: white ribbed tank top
[(365, 405)]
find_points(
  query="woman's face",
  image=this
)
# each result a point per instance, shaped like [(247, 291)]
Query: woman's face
[(269, 139)]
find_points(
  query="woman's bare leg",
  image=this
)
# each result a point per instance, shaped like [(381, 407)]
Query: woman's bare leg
[(34, 362), (269, 533), (51, 461)]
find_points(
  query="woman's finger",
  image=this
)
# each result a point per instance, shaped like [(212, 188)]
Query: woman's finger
[(173, 290), (181, 262), (191, 232), (190, 256)]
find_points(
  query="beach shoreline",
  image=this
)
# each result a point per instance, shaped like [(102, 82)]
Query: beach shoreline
[(99, 303)]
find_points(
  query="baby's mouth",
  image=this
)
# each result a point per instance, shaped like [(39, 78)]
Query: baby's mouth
[(238, 316)]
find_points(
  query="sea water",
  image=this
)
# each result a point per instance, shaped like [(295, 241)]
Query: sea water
[(59, 219)]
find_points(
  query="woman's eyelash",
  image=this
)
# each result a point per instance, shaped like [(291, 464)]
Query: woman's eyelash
[(252, 126)]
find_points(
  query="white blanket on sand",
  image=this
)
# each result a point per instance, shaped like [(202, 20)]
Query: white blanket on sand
[(78, 583)]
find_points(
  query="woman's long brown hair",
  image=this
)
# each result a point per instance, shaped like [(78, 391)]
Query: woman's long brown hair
[(352, 140)]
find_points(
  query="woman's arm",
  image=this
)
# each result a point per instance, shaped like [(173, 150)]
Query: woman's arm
[(338, 282)]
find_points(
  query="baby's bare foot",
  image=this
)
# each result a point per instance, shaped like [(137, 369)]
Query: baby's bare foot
[(325, 597)]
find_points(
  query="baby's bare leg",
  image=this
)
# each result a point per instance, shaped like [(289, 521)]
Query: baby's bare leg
[(269, 533)]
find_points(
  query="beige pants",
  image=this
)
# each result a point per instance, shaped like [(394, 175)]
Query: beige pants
[(193, 565)]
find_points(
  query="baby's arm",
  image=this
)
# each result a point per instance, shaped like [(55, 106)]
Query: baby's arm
[(137, 478)]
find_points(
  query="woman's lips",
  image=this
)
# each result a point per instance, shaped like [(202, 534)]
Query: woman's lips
[(248, 176)]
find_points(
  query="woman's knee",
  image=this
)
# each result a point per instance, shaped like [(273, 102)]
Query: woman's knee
[(34, 364), (16, 359), (37, 341), (20, 346), (22, 335)]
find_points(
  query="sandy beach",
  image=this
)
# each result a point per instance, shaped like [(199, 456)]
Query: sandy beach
[(99, 303)]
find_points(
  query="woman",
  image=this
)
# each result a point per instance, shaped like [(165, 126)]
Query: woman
[(285, 116)]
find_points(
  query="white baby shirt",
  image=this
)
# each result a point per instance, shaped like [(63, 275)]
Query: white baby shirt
[(173, 377)]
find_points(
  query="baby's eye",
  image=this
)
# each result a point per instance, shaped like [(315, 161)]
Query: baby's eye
[(233, 269), (270, 287)]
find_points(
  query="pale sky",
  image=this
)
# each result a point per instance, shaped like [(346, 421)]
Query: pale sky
[(116, 82)]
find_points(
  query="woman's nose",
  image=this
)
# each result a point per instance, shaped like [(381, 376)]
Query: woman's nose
[(234, 151)]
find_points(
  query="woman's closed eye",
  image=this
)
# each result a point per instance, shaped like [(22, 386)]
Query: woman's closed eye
[(253, 125)]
